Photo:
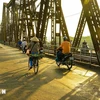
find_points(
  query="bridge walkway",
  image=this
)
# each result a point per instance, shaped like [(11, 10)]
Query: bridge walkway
[(51, 83)]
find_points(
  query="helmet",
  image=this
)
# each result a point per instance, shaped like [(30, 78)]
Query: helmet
[(65, 38)]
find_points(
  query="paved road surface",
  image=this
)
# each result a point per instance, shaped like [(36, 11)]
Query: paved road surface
[(51, 83)]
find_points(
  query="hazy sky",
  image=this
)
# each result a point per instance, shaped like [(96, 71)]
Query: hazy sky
[(71, 10)]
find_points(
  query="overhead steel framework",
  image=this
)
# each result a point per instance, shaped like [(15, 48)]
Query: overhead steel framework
[(27, 18)]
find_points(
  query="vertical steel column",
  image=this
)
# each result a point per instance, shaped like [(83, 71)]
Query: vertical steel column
[(4, 22), (60, 20), (42, 21), (52, 12), (28, 14)]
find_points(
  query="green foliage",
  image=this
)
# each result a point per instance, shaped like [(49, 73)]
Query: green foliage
[(87, 39)]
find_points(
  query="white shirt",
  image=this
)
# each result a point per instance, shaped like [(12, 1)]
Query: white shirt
[(24, 43)]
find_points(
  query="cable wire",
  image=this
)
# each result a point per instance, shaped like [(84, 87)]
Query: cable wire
[(72, 15)]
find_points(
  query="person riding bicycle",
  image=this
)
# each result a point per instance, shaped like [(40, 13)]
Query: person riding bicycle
[(63, 49), (24, 45), (34, 49)]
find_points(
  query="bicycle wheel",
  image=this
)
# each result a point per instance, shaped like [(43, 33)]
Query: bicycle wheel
[(58, 63), (69, 62), (35, 65), (28, 65)]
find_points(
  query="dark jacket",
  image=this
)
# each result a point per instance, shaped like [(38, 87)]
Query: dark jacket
[(34, 47)]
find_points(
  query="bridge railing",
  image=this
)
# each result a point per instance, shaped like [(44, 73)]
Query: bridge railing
[(50, 49), (85, 55)]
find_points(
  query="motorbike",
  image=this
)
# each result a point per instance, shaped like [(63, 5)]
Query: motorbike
[(67, 60)]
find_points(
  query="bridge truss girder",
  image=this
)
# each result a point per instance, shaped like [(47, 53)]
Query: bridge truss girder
[(27, 21)]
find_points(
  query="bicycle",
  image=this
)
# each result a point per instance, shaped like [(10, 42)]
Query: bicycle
[(67, 61), (35, 63)]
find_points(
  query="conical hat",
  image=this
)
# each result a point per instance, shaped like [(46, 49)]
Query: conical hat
[(35, 39)]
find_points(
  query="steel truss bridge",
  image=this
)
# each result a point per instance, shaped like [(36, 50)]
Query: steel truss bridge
[(27, 18)]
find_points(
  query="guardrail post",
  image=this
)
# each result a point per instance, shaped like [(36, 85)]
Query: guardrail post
[(55, 47), (80, 55), (90, 56)]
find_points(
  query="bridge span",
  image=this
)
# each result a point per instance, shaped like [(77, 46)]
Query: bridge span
[(82, 82)]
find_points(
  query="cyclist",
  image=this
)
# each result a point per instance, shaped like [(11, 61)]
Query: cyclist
[(19, 44), (63, 49), (24, 44), (34, 49)]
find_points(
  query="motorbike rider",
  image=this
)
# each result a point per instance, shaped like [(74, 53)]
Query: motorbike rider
[(63, 49)]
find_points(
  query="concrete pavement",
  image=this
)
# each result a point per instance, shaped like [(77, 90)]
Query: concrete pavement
[(51, 83)]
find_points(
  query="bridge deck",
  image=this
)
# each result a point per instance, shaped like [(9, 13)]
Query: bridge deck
[(51, 83)]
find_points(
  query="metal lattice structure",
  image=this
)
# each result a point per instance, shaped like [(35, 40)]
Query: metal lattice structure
[(27, 18), (30, 17)]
